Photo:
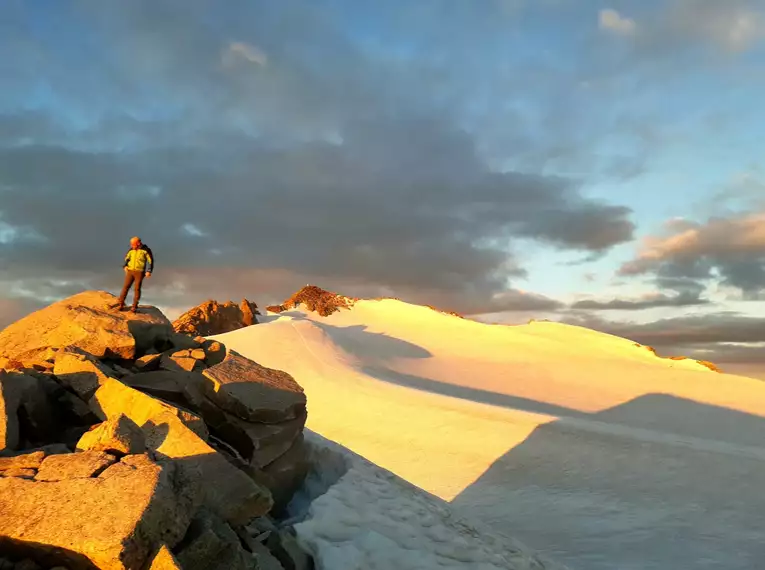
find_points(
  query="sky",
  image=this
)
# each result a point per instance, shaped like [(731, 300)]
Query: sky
[(598, 163)]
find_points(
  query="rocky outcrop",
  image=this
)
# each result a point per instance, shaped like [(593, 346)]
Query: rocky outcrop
[(252, 392), (26, 410), (110, 520), (74, 465), (119, 436), (213, 545), (157, 451), (80, 372), (15, 390), (315, 299), (178, 435), (85, 321), (211, 318)]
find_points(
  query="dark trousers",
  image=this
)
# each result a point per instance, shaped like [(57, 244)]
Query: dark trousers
[(131, 278)]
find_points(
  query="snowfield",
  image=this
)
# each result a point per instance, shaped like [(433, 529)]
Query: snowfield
[(581, 445), (356, 516)]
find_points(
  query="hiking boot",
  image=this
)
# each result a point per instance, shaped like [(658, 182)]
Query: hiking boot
[(133, 309)]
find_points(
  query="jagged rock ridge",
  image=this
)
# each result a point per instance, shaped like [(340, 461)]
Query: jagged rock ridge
[(211, 318), (711, 365), (325, 302), (315, 299), (126, 445)]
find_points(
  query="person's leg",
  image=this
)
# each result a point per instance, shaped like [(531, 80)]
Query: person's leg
[(125, 288), (137, 289)]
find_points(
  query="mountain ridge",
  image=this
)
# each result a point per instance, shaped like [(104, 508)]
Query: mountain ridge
[(582, 444), (325, 303)]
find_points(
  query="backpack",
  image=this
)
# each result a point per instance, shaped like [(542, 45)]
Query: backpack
[(147, 249)]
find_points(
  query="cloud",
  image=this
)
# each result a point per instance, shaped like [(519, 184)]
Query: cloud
[(653, 301), (697, 35), (728, 249), (701, 331), (333, 162), (13, 309), (613, 22), (513, 300), (735, 342), (744, 193), (734, 25), (732, 353), (241, 50), (420, 214), (730, 26), (192, 230)]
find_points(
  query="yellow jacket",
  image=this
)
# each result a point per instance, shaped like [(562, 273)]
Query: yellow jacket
[(139, 259)]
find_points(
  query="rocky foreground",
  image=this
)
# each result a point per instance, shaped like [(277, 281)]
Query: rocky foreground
[(127, 445)]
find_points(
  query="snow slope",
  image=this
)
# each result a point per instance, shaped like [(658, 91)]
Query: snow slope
[(353, 515), (580, 444)]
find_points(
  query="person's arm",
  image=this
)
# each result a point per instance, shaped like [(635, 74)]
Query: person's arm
[(127, 257)]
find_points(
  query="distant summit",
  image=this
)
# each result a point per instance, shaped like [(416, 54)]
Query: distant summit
[(317, 300), (326, 302)]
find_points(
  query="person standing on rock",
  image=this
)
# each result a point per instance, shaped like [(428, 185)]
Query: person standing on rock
[(139, 263)]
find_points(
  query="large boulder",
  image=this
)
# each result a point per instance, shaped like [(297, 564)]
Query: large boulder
[(25, 410), (118, 436), (40, 419), (249, 312), (112, 441), (80, 372), (38, 360), (226, 490), (215, 352), (211, 318), (253, 392), (73, 411), (31, 460), (184, 342), (13, 390), (258, 443), (164, 560), (148, 362), (89, 322), (74, 465), (114, 399), (183, 360), (166, 384), (211, 544), (111, 522), (284, 476)]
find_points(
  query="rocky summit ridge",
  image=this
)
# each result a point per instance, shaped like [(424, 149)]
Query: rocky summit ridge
[(315, 299), (127, 445), (211, 318)]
